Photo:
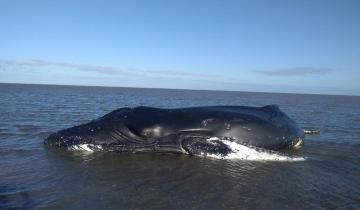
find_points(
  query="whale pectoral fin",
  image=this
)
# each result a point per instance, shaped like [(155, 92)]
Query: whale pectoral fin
[(169, 144), (203, 143), (204, 146), (175, 142)]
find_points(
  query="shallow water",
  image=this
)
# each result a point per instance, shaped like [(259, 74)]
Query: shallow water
[(32, 176)]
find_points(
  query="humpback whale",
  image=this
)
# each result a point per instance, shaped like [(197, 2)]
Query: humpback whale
[(191, 130)]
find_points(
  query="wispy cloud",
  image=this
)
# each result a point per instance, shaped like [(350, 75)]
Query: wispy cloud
[(107, 70), (34, 63), (292, 72), (180, 73)]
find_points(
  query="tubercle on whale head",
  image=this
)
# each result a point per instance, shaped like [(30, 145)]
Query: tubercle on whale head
[(59, 140), (54, 139), (108, 129)]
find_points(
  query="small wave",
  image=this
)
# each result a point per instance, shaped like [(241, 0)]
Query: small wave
[(243, 152)]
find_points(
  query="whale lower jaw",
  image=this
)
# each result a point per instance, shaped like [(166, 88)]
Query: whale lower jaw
[(133, 148), (212, 147)]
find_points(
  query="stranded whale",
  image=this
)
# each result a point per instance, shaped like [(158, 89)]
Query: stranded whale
[(193, 130)]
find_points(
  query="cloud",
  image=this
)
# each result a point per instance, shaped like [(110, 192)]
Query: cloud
[(34, 63), (292, 72), (180, 73), (105, 70)]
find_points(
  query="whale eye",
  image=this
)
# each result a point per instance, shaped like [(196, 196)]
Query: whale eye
[(155, 131)]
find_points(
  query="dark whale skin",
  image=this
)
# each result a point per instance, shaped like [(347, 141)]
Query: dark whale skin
[(183, 130)]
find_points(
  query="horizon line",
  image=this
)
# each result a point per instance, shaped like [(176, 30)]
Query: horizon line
[(189, 89)]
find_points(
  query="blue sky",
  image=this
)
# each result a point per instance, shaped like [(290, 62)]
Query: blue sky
[(269, 46)]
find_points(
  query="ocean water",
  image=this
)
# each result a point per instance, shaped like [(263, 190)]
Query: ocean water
[(33, 176)]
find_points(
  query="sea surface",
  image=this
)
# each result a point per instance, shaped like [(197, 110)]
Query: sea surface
[(34, 177)]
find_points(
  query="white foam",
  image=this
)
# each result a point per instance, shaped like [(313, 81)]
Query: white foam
[(85, 147), (247, 153)]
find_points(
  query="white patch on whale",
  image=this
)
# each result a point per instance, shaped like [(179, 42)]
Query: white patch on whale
[(85, 147), (243, 152), (298, 144)]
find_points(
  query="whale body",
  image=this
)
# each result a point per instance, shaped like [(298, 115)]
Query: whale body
[(192, 130)]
